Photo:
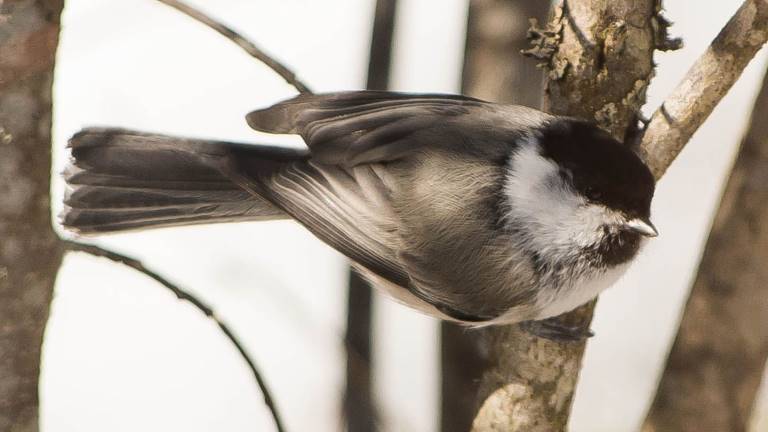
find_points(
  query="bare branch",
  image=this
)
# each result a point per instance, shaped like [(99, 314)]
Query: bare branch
[(599, 60), (599, 67), (30, 252), (197, 303), (496, 32), (248, 46), (705, 84), (716, 363)]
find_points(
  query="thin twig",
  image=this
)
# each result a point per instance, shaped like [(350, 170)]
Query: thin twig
[(704, 86), (248, 46), (186, 296)]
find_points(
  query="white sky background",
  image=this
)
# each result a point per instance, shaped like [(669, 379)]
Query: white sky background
[(122, 354)]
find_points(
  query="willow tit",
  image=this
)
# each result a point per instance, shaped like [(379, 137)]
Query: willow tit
[(466, 210)]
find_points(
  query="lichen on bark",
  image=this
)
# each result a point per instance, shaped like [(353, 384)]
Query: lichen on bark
[(608, 49)]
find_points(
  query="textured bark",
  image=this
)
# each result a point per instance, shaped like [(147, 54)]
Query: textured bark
[(717, 361), (29, 250), (708, 80), (493, 70), (604, 60), (359, 406), (599, 58)]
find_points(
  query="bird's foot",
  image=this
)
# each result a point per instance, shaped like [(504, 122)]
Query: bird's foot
[(555, 331)]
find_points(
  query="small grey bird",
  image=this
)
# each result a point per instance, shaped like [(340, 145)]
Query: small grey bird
[(465, 210)]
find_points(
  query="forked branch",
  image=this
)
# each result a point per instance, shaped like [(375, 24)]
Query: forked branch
[(705, 84), (599, 67)]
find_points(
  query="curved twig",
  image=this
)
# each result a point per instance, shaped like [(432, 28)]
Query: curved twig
[(197, 303), (288, 75)]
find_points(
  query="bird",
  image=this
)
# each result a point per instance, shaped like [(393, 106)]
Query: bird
[(466, 210)]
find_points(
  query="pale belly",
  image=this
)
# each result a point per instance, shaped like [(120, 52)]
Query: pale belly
[(552, 302)]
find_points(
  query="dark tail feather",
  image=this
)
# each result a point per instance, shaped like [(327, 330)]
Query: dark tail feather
[(122, 180)]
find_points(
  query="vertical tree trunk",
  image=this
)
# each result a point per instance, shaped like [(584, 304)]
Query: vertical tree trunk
[(494, 70), (29, 249), (359, 412), (598, 55), (717, 361), (359, 407), (494, 67)]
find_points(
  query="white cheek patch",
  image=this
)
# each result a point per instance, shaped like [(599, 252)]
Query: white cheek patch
[(555, 217), (556, 223)]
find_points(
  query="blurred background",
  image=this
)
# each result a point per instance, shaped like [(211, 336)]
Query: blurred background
[(122, 354)]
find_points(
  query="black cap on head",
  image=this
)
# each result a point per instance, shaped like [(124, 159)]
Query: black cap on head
[(601, 168)]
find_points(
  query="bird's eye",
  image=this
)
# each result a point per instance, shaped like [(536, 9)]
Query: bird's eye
[(593, 194)]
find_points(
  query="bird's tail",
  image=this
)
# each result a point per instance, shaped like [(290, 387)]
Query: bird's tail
[(122, 180)]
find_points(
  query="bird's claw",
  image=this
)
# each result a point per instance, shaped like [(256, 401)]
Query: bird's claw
[(555, 331)]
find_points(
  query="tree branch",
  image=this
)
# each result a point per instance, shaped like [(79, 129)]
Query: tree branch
[(705, 84), (598, 55), (197, 303), (492, 70), (248, 46), (30, 253), (716, 363)]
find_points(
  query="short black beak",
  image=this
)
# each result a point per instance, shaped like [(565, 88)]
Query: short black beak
[(642, 226)]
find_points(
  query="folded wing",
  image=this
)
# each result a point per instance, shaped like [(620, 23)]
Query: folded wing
[(352, 128), (362, 145)]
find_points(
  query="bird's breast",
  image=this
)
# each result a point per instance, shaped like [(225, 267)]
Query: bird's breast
[(568, 294)]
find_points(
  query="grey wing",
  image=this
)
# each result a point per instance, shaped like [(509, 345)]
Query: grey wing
[(346, 208), (349, 209), (344, 194), (351, 128)]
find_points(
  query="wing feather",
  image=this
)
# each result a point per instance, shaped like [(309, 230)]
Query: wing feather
[(330, 202), (353, 128), (366, 150)]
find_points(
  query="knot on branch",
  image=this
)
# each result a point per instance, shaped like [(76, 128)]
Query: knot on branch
[(609, 48), (614, 39), (544, 43), (608, 116)]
